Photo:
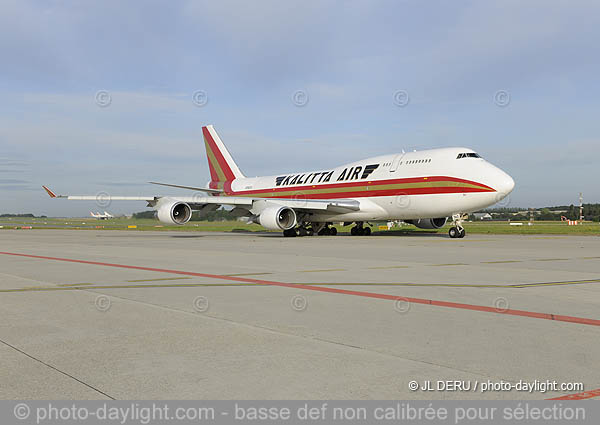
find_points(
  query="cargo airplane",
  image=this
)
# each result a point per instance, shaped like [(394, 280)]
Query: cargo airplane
[(423, 188)]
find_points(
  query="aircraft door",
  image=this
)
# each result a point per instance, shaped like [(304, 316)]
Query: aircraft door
[(396, 161)]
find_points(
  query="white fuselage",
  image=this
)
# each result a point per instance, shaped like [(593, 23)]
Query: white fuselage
[(413, 185)]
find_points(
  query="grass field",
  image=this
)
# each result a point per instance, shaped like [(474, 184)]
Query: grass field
[(124, 223), (540, 227)]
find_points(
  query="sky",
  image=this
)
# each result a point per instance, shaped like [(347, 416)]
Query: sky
[(104, 96)]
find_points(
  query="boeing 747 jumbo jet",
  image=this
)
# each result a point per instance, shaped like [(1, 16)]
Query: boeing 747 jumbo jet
[(423, 188)]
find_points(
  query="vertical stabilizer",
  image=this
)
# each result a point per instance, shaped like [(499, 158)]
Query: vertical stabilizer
[(220, 162)]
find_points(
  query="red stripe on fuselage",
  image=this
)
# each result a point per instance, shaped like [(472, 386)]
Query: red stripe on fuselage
[(372, 191)]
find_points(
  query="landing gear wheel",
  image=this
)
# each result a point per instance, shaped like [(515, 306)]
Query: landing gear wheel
[(310, 231), (359, 230), (302, 231), (325, 230), (367, 231), (289, 233), (457, 230)]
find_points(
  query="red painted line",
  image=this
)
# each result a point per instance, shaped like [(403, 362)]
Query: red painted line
[(579, 396), (448, 304)]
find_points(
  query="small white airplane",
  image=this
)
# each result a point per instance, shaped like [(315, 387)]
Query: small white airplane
[(423, 188), (100, 216)]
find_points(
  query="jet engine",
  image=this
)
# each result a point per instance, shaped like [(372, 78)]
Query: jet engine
[(429, 223), (277, 218), (174, 212)]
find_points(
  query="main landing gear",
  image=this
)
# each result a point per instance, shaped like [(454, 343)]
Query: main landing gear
[(327, 231), (457, 230), (290, 233), (309, 229), (359, 230)]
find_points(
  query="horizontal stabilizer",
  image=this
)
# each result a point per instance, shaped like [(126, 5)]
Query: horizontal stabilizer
[(199, 189)]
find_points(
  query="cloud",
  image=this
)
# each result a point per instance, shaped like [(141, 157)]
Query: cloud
[(17, 188), (121, 184), (12, 181)]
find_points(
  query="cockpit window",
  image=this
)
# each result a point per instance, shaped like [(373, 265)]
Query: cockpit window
[(468, 155)]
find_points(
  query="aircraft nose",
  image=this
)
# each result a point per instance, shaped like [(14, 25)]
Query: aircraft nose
[(505, 183)]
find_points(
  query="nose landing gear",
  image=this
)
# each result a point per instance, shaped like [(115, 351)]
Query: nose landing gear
[(457, 230), (455, 233)]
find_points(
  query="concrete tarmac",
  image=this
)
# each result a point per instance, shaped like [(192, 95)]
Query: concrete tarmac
[(228, 316)]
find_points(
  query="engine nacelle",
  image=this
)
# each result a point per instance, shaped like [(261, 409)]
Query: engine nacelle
[(277, 218), (429, 223), (174, 212)]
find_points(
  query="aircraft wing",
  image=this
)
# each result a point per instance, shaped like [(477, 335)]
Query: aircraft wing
[(197, 202), (99, 197), (333, 205)]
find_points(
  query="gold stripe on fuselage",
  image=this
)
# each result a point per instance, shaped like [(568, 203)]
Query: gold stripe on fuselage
[(277, 192)]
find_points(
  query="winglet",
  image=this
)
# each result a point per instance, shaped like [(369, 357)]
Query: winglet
[(50, 193)]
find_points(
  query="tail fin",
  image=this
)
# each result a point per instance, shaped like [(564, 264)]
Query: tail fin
[(222, 166)]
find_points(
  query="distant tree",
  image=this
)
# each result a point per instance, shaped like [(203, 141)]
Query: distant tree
[(144, 214), (591, 212), (545, 215), (218, 215)]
